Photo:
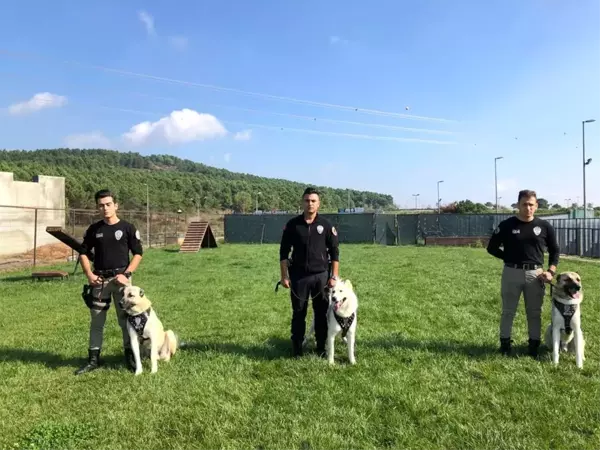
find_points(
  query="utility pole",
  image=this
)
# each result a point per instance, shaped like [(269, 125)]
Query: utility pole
[(585, 163), (416, 198), (147, 215), (438, 197), (496, 178)]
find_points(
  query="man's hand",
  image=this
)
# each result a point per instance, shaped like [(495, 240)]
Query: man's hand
[(122, 279), (546, 277), (285, 282), (94, 280), (331, 282)]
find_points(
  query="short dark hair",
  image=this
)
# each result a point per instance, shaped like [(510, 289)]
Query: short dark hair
[(103, 193), (310, 190), (526, 193)]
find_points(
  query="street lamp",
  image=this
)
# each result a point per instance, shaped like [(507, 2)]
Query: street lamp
[(585, 163), (257, 194), (496, 178), (147, 215), (416, 198), (438, 197)]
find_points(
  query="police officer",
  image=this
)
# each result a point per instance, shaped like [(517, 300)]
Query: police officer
[(111, 239), (524, 238), (315, 243)]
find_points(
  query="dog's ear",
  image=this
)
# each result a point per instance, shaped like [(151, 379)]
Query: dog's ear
[(348, 284), (141, 292)]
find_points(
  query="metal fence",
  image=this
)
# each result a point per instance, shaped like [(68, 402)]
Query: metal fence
[(575, 236), (24, 240)]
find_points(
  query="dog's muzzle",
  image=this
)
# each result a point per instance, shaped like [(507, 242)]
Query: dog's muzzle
[(573, 290)]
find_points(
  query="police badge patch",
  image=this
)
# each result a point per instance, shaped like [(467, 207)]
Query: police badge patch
[(320, 229), (137, 234), (118, 235), (537, 231), (334, 231)]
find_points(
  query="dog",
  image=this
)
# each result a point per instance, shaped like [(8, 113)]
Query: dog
[(146, 329), (341, 318), (564, 331)]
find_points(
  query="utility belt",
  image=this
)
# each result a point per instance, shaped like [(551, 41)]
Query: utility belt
[(525, 266), (108, 273), (299, 270)]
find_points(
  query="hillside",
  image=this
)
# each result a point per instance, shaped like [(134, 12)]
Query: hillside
[(173, 182)]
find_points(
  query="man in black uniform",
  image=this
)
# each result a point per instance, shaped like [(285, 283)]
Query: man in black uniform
[(524, 238), (111, 239), (315, 243)]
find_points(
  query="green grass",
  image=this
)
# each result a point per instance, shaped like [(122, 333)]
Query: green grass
[(427, 373)]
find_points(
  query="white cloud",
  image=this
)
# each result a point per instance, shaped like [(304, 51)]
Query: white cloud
[(508, 185), (37, 102), (181, 126), (333, 40), (148, 22), (94, 139), (227, 157), (179, 42), (245, 135)]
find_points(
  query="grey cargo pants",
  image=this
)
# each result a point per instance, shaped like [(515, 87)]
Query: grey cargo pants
[(515, 282), (110, 289)]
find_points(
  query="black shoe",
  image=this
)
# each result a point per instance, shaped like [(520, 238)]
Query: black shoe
[(92, 364), (505, 346), (534, 345), (321, 350), (129, 360), (297, 350)]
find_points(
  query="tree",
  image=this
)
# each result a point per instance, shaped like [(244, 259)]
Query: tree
[(556, 206), (242, 201), (468, 207), (543, 203), (489, 204)]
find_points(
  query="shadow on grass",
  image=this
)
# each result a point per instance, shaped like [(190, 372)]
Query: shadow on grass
[(273, 348), (171, 250), (469, 349), (16, 279), (55, 361)]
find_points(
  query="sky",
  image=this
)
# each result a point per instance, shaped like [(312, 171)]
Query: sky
[(384, 96)]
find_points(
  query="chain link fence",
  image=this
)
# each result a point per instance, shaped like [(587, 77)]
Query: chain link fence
[(579, 237), (25, 242)]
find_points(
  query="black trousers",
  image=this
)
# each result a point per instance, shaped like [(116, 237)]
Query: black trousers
[(303, 286)]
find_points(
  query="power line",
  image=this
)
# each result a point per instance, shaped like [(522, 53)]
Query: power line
[(226, 89)]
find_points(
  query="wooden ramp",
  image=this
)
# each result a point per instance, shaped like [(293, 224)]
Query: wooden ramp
[(198, 235)]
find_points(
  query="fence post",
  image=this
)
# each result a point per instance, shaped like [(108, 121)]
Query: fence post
[(35, 237)]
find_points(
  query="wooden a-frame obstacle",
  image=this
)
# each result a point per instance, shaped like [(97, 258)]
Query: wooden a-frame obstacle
[(198, 235)]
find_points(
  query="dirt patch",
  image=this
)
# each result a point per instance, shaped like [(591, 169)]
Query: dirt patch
[(45, 254)]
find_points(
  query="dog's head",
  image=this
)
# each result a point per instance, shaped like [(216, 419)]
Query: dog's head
[(341, 294), (568, 285), (134, 300)]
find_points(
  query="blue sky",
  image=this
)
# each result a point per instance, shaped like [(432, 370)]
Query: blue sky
[(480, 80)]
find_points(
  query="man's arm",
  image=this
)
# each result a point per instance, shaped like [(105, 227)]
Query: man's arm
[(284, 251), (87, 245), (553, 248), (334, 251), (493, 247), (135, 246)]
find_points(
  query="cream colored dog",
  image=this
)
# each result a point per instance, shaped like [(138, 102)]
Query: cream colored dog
[(564, 331), (341, 317), (145, 328)]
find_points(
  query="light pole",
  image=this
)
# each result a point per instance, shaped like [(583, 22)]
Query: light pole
[(496, 178), (257, 194), (147, 215), (585, 163), (416, 198), (438, 198)]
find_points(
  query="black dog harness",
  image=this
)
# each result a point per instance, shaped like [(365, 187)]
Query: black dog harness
[(139, 322), (567, 312), (344, 322)]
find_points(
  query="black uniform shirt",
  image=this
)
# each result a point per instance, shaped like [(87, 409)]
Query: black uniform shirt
[(111, 244), (311, 244), (524, 242)]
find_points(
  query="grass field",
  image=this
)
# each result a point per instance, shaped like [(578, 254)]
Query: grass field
[(427, 376)]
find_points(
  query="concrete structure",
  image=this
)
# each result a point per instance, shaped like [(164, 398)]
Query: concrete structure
[(18, 203)]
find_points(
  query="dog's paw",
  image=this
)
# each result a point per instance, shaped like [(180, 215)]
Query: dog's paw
[(138, 372), (352, 361)]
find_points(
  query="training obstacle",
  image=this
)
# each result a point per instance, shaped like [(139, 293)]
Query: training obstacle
[(198, 235), (70, 241)]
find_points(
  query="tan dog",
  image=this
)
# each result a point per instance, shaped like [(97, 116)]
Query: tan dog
[(564, 331), (145, 328)]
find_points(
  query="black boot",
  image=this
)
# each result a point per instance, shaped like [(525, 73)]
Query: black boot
[(320, 350), (92, 364), (505, 346), (534, 345), (297, 349), (129, 360)]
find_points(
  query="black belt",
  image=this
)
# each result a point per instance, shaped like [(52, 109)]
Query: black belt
[(525, 266), (109, 272)]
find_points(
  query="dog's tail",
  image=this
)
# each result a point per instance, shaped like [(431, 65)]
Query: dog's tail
[(173, 340)]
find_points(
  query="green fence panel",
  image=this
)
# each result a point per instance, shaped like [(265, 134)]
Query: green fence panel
[(385, 229), (408, 229)]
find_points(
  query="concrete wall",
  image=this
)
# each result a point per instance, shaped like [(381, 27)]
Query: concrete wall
[(18, 200)]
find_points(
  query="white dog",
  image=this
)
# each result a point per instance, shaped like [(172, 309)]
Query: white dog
[(341, 317), (564, 331), (145, 328)]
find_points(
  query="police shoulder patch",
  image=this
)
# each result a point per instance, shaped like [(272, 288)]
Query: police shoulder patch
[(333, 231), (137, 234)]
